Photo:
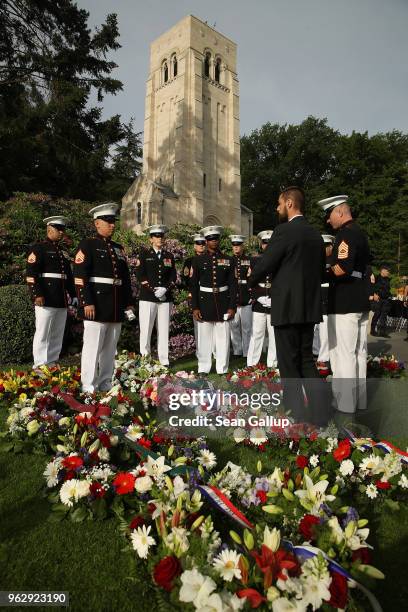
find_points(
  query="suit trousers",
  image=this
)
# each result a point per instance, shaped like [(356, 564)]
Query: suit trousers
[(213, 335), (241, 326), (49, 334), (149, 312), (98, 355), (305, 394), (260, 323), (321, 341), (348, 359)]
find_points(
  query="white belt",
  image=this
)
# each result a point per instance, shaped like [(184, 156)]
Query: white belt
[(357, 274), (105, 280), (214, 289), (325, 284), (242, 282), (266, 285), (53, 275)]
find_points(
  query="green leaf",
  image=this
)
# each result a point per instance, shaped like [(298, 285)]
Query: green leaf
[(79, 514)]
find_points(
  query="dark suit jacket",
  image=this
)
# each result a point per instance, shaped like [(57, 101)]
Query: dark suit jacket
[(295, 260)]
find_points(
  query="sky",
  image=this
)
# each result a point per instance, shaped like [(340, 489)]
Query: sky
[(346, 60)]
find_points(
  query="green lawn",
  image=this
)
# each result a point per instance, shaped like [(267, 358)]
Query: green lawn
[(86, 559)]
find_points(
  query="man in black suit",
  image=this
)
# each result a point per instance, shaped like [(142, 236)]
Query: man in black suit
[(295, 262)]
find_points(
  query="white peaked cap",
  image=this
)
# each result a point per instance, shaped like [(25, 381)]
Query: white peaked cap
[(109, 209), (56, 220), (212, 230), (329, 203), (237, 238), (265, 235), (198, 237), (157, 229)]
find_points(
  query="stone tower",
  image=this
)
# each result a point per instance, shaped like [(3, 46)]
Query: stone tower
[(191, 152)]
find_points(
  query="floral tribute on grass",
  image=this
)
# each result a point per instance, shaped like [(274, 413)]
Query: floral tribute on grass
[(288, 531), (385, 366)]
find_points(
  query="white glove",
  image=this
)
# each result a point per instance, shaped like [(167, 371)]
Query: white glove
[(74, 302), (160, 293), (265, 301)]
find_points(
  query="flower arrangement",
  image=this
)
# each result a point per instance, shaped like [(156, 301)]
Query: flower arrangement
[(385, 366)]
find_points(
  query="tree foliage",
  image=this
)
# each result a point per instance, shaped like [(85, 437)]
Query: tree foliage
[(51, 65), (372, 170)]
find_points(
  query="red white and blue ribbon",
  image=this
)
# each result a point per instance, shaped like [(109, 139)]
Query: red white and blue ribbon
[(221, 501), (369, 443)]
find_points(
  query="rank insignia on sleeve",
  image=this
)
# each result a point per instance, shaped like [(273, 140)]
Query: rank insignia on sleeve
[(30, 280), (80, 257), (343, 250), (32, 258)]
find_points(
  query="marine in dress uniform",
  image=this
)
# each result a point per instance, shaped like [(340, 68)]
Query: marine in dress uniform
[(49, 278), (348, 306), (199, 249), (156, 272), (321, 334), (241, 324), (102, 281), (261, 312), (213, 295)]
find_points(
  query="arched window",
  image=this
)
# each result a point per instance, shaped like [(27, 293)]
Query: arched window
[(174, 65), (207, 60), (139, 213), (217, 70), (165, 71)]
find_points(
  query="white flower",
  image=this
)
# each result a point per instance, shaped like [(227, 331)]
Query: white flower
[(156, 467), (257, 436), (226, 564), (101, 472), (313, 496), (207, 459), (51, 472), (103, 454), (143, 484), (232, 603), (276, 480), (314, 460), (316, 591), (372, 464), (72, 490), (239, 434), (371, 491), (392, 466), (336, 530), (178, 486), (212, 604), (134, 432), (346, 467), (141, 540), (177, 541), (195, 588), (403, 482), (332, 443), (272, 538)]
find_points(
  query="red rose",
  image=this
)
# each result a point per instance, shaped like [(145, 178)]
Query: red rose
[(261, 495), (97, 490), (165, 571), (144, 442), (338, 591), (72, 462), (382, 485), (301, 461), (362, 554), (254, 598), (69, 476), (124, 483), (104, 439), (137, 521), (306, 526), (342, 451)]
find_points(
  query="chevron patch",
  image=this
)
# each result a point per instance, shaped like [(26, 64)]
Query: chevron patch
[(343, 250)]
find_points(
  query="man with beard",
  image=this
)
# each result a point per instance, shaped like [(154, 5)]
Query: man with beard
[(295, 261)]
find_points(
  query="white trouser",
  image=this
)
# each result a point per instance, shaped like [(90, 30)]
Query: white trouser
[(241, 326), (321, 341), (261, 322), (195, 323), (210, 335), (348, 359), (98, 355), (49, 334), (148, 313)]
